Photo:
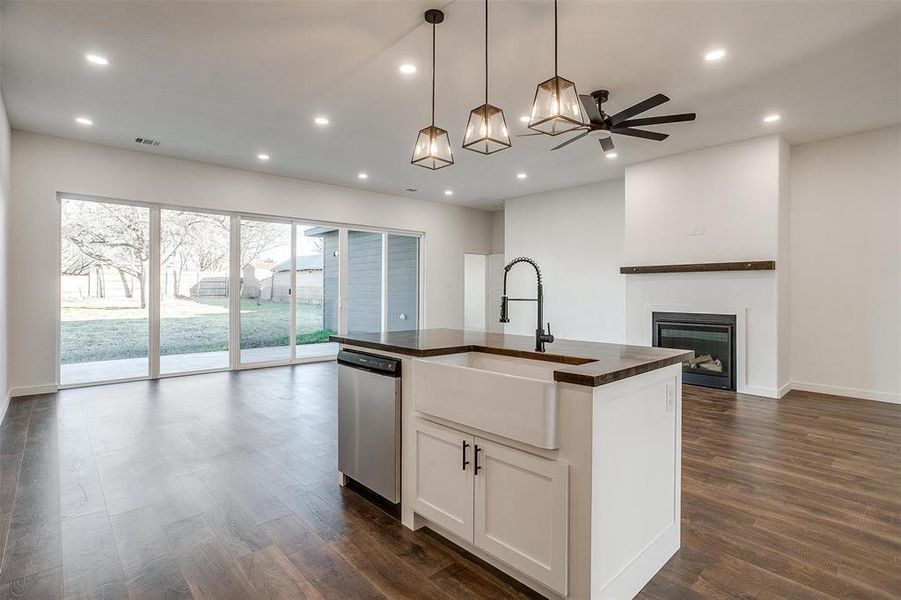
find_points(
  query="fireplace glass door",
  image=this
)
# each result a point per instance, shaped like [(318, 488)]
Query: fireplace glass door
[(712, 342)]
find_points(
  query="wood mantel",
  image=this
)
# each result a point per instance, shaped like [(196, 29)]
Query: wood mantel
[(750, 265)]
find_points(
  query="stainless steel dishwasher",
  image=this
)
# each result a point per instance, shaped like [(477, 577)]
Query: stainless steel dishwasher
[(369, 421)]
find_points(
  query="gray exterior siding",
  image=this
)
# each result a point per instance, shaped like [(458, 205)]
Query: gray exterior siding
[(364, 285), (403, 282), (364, 281), (330, 280)]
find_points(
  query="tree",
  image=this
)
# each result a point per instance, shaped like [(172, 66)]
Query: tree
[(197, 241), (107, 235), (258, 237), (116, 236)]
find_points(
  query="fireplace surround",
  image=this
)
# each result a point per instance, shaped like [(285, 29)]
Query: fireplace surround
[(711, 336)]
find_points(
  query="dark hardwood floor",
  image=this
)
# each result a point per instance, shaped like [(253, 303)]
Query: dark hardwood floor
[(224, 486)]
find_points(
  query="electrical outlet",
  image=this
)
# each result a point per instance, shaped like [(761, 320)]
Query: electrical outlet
[(670, 396)]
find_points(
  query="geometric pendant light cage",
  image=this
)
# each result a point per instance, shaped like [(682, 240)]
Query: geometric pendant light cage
[(486, 130), (432, 149), (556, 108)]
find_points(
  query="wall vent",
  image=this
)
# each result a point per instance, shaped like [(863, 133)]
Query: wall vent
[(147, 141)]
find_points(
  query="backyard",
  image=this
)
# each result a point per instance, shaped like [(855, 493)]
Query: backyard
[(99, 330)]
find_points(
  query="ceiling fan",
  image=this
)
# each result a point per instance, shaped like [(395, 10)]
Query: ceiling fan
[(622, 122)]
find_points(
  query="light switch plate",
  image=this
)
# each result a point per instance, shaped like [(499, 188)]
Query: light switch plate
[(670, 396)]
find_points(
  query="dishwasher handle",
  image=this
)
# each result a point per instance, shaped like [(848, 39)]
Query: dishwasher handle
[(381, 365)]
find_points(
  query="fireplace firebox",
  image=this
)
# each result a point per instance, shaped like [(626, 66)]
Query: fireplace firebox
[(712, 337)]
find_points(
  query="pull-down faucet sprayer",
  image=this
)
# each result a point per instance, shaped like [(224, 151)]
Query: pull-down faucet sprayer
[(541, 338)]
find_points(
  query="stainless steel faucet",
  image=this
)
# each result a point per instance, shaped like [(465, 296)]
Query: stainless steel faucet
[(541, 338)]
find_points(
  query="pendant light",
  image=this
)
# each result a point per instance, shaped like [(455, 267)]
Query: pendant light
[(433, 149), (486, 131), (556, 108)]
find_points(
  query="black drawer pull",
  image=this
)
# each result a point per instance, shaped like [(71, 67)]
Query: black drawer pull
[(465, 446), (478, 466)]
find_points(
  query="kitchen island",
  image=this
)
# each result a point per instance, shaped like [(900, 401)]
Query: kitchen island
[(560, 468)]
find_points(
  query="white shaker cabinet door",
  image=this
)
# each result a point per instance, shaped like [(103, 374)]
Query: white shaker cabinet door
[(443, 484), (521, 511)]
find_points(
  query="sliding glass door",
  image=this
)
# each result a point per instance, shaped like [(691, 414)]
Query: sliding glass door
[(194, 291), (316, 301), (151, 291), (266, 291), (401, 282), (104, 289), (383, 281)]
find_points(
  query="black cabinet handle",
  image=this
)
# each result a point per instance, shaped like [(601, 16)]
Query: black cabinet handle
[(478, 466), (465, 446)]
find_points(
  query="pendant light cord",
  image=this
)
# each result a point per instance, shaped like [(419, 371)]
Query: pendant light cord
[(433, 74), (555, 38), (486, 53)]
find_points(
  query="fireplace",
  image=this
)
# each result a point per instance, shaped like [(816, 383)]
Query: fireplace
[(712, 337)]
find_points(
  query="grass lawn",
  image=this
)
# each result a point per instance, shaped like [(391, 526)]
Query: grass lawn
[(98, 330)]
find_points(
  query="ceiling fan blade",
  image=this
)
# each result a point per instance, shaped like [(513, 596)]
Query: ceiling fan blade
[(648, 135), (641, 107), (571, 140), (591, 107), (657, 120), (606, 144)]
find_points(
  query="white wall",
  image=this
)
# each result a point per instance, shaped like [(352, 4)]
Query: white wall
[(729, 192), (846, 265), (497, 232), (719, 204), (576, 236), (475, 300), (4, 263), (43, 166)]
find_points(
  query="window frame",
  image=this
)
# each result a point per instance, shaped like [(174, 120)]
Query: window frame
[(154, 300)]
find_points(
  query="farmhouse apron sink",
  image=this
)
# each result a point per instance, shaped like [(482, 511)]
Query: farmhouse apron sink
[(511, 397)]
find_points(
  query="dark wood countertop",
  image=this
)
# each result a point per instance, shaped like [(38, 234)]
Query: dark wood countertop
[(582, 363)]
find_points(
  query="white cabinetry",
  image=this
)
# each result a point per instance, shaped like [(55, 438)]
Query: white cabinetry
[(509, 503), (443, 481), (521, 504)]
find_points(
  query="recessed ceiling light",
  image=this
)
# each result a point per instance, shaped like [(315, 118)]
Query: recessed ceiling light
[(96, 59), (524, 119), (362, 176), (611, 154), (263, 156), (407, 69), (715, 55), (321, 120), (521, 175), (771, 118), (448, 192), (83, 121)]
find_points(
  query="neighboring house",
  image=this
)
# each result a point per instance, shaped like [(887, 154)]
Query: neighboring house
[(277, 286), (329, 237)]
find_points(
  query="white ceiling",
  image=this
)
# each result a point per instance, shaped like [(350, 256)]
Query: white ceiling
[(221, 82)]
